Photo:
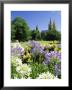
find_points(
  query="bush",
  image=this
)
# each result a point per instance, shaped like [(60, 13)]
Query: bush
[(38, 69), (19, 70), (15, 62), (53, 35), (55, 67)]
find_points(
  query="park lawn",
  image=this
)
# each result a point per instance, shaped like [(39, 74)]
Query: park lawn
[(43, 43)]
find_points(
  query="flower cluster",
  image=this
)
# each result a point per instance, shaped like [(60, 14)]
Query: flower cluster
[(36, 47), (19, 70), (57, 70), (16, 49), (46, 75), (15, 61), (27, 62), (24, 70), (49, 55)]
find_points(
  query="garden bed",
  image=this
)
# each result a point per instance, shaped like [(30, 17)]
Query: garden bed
[(36, 60)]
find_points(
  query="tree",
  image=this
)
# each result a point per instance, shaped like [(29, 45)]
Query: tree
[(52, 33), (37, 28), (50, 25), (44, 34), (54, 26), (21, 28), (36, 35), (13, 31), (20, 31), (33, 34)]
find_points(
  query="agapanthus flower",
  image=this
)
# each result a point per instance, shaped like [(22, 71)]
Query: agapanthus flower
[(57, 70), (49, 55), (24, 70), (36, 47), (16, 50), (46, 75), (15, 61)]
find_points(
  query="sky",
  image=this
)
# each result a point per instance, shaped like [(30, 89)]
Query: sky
[(39, 18)]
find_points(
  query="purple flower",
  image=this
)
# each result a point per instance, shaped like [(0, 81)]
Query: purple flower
[(49, 55), (57, 69), (17, 51)]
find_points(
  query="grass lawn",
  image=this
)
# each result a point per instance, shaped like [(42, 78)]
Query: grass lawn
[(43, 43)]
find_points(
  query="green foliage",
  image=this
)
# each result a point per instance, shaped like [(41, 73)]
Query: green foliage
[(38, 69), (54, 26), (54, 61), (26, 58), (36, 35), (43, 35), (50, 25), (53, 35), (20, 31), (37, 57), (14, 64), (13, 31), (21, 28)]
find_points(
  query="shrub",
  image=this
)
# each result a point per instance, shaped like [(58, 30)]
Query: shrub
[(19, 70), (38, 69), (55, 66), (15, 61)]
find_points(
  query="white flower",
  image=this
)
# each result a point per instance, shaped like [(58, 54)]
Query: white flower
[(23, 70), (19, 61), (46, 75), (18, 69), (29, 78), (15, 61)]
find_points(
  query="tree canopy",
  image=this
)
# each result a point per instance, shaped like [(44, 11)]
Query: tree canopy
[(21, 31)]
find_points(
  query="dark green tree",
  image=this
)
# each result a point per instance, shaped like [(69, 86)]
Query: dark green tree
[(44, 34), (36, 35), (13, 31), (33, 34), (20, 31), (52, 33), (21, 28), (50, 25), (53, 26)]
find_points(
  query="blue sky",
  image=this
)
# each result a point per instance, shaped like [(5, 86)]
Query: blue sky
[(40, 18)]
